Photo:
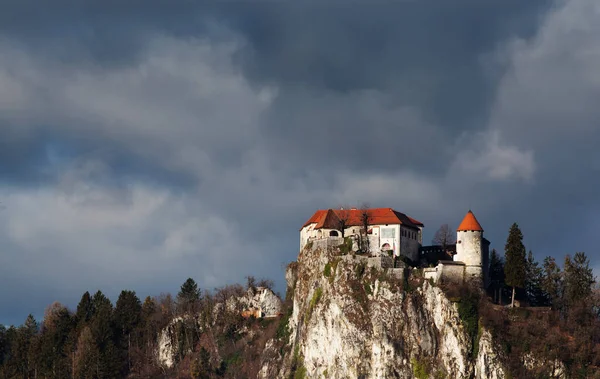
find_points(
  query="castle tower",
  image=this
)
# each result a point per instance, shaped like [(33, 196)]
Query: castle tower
[(471, 247)]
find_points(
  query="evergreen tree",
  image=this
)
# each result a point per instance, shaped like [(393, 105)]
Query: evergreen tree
[(3, 344), (188, 296), (552, 282), (103, 332), (496, 272), (22, 354), (533, 283), (55, 360), (149, 326), (127, 312), (579, 278), (515, 266), (85, 310), (101, 323), (127, 317), (10, 368)]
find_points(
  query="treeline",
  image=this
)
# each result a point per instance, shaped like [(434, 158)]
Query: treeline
[(545, 284), (567, 331), (100, 340)]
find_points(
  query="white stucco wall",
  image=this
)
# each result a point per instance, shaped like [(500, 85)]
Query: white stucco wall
[(390, 234), (401, 245), (468, 247)]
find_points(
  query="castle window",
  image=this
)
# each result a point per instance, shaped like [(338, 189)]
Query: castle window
[(333, 233)]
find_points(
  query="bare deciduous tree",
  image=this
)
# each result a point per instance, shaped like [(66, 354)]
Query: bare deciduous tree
[(444, 237), (343, 215), (365, 221)]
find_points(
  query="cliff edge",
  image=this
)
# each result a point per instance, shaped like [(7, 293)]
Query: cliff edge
[(352, 319)]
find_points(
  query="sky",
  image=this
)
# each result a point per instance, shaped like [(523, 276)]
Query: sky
[(142, 143)]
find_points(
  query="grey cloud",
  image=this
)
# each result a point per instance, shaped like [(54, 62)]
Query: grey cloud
[(194, 142)]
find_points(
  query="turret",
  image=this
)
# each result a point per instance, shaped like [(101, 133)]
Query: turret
[(469, 236), (472, 248)]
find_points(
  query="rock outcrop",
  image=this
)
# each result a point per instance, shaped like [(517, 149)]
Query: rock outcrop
[(353, 321)]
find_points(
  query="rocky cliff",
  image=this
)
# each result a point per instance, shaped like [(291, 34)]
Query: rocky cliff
[(350, 320), (348, 316)]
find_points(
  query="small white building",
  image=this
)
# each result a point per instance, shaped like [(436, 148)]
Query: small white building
[(388, 230)]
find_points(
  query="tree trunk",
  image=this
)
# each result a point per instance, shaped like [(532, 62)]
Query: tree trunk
[(512, 304), (129, 351)]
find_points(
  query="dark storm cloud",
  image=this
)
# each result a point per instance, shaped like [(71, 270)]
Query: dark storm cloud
[(144, 143), (410, 55)]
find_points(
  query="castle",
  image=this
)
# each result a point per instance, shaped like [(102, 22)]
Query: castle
[(387, 232)]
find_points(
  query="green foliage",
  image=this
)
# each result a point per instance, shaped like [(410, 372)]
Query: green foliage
[(298, 371), (234, 360), (327, 270), (283, 330), (552, 282), (346, 247), (468, 311), (420, 370), (313, 302), (332, 269), (533, 283), (84, 309), (188, 296), (578, 279), (367, 287), (360, 269), (515, 266), (128, 312)]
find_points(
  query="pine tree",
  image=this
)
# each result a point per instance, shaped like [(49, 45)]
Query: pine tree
[(579, 278), (515, 266), (496, 275), (188, 296), (127, 317), (533, 283), (84, 310), (103, 332), (552, 282), (3, 344)]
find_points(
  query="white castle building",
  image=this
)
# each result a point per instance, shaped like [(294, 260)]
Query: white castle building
[(394, 232), (387, 230)]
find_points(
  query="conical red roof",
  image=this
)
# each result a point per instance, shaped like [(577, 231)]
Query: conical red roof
[(470, 223)]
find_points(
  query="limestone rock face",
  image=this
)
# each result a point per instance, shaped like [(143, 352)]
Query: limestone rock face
[(262, 299), (353, 321), (166, 342)]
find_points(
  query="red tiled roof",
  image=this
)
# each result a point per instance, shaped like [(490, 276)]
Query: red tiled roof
[(329, 218), (470, 223)]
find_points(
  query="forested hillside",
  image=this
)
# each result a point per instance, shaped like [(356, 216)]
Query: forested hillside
[(99, 340), (339, 317)]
